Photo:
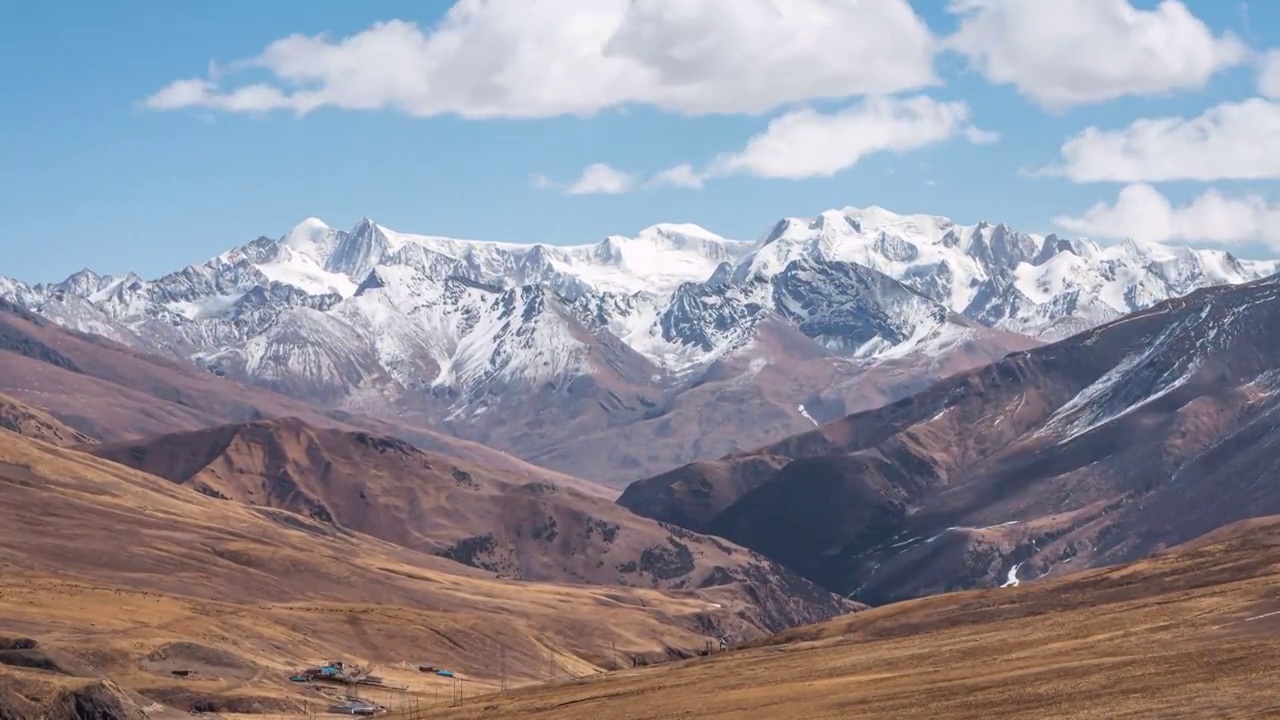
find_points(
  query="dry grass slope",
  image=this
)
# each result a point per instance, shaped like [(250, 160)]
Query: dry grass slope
[(389, 489), (118, 575), (20, 418), (1193, 633)]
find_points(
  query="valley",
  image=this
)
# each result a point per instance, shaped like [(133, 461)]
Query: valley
[(1190, 633), (1100, 448), (640, 360), (115, 569), (835, 479)]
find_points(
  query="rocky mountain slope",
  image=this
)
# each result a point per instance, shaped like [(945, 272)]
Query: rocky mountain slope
[(389, 489), (1100, 448), (531, 349), (110, 392)]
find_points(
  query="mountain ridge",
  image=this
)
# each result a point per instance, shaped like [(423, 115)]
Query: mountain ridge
[(1100, 448), (610, 335), (534, 531)]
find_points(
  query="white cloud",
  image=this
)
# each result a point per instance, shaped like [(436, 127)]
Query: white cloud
[(806, 143), (1061, 53), (542, 58), (1230, 141), (682, 176), (180, 94), (1142, 213), (1269, 75), (601, 179), (978, 136)]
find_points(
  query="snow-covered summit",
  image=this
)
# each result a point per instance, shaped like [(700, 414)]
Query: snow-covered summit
[(350, 310), (999, 276)]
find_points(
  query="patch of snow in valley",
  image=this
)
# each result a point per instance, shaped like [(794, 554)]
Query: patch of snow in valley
[(1012, 579), (807, 416)]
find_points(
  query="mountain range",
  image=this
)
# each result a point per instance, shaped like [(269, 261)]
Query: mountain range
[(1098, 449), (359, 443), (457, 500), (622, 359)]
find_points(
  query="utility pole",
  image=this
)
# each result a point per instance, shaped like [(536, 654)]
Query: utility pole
[(502, 668), (613, 654)]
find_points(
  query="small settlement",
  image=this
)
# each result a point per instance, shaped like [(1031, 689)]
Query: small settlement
[(337, 673)]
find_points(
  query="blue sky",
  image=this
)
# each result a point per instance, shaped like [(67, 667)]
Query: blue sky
[(427, 136)]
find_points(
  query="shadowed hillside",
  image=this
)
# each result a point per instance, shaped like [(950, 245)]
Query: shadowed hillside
[(109, 392), (126, 577), (1098, 449), (20, 418), (534, 531)]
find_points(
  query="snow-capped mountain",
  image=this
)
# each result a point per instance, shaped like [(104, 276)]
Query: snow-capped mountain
[(1048, 287), (469, 335)]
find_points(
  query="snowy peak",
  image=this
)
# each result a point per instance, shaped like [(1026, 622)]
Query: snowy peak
[(1054, 245), (1008, 247), (85, 283), (857, 311), (845, 307), (681, 236), (358, 252), (352, 313), (996, 275), (312, 238)]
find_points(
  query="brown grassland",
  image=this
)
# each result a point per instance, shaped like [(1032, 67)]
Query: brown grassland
[(1188, 634), (123, 577)]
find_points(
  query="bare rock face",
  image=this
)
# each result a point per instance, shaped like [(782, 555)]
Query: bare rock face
[(1101, 448)]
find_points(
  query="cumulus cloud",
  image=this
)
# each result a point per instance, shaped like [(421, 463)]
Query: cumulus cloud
[(180, 94), (542, 58), (978, 136), (1142, 213), (1269, 75), (1073, 52), (682, 176), (602, 179), (1229, 141), (806, 143)]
